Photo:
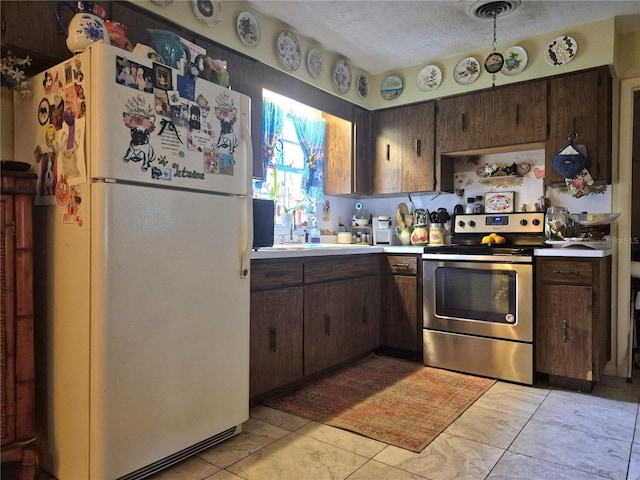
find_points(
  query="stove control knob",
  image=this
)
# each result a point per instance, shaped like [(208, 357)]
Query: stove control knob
[(461, 223), (523, 222), (472, 223), (535, 221)]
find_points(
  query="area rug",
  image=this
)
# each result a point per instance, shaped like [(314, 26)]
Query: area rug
[(394, 401)]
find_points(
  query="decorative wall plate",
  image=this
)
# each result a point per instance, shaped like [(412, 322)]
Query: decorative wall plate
[(314, 62), (342, 76), (391, 87), (289, 50), (208, 12), (248, 29), (429, 78), (561, 51), (466, 71), (515, 60), (362, 86)]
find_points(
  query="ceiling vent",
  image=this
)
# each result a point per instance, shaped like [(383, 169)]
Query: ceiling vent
[(488, 9)]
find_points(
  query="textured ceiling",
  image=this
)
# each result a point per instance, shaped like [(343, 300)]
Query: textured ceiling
[(378, 36)]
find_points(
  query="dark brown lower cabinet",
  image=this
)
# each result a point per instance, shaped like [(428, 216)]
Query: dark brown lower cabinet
[(573, 319), (401, 323), (340, 322), (308, 315), (276, 325), (276, 339)]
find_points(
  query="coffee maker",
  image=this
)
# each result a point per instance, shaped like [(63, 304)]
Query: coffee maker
[(382, 232)]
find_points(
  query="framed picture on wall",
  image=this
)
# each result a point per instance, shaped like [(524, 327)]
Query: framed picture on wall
[(498, 202)]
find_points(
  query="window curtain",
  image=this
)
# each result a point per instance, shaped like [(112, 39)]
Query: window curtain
[(272, 124), (310, 133)]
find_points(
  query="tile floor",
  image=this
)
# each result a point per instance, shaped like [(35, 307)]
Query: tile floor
[(511, 432)]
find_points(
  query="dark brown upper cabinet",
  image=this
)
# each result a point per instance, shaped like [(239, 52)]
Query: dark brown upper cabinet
[(580, 104)]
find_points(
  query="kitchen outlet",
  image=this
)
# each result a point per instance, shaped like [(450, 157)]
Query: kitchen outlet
[(339, 220)]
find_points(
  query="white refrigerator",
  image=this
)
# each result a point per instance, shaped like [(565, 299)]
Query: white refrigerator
[(143, 236)]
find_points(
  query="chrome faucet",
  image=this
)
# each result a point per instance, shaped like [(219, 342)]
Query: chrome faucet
[(293, 237)]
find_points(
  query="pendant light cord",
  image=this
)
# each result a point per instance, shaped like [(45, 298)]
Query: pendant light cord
[(494, 30), (493, 76)]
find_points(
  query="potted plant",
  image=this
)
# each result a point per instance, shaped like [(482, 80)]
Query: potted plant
[(286, 210)]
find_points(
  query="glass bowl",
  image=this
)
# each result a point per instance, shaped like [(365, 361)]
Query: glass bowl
[(594, 219)]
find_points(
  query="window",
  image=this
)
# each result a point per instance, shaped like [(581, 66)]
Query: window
[(293, 158)]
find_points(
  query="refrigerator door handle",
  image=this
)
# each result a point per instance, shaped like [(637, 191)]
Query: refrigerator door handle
[(247, 223)]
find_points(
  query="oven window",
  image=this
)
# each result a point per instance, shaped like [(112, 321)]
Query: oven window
[(483, 295)]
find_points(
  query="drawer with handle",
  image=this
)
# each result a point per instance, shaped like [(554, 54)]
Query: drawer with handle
[(564, 271), (402, 264), (275, 274)]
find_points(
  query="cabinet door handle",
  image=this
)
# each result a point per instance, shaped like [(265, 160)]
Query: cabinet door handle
[(565, 331), (274, 274), (517, 113), (462, 122), (272, 339), (565, 272), (401, 265), (418, 147), (327, 325), (388, 152)]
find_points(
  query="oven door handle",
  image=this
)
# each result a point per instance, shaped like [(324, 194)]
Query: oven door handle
[(445, 257)]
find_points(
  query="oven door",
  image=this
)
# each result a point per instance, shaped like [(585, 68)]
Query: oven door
[(490, 299)]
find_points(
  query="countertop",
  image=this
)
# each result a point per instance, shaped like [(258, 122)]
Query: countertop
[(313, 250), (326, 249), (584, 252)]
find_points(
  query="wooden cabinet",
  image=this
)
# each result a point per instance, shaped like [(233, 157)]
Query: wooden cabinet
[(404, 149), (338, 156), (341, 299), (417, 143), (299, 328), (573, 319), (581, 103), (387, 168), (401, 324), (363, 151), (510, 115), (17, 322), (462, 122), (276, 325), (338, 324), (519, 114)]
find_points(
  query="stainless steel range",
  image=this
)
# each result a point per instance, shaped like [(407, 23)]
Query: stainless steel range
[(478, 298)]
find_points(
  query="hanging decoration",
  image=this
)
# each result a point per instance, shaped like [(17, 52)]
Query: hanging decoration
[(494, 62)]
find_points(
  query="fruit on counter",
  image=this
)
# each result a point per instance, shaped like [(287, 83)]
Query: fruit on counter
[(493, 238)]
